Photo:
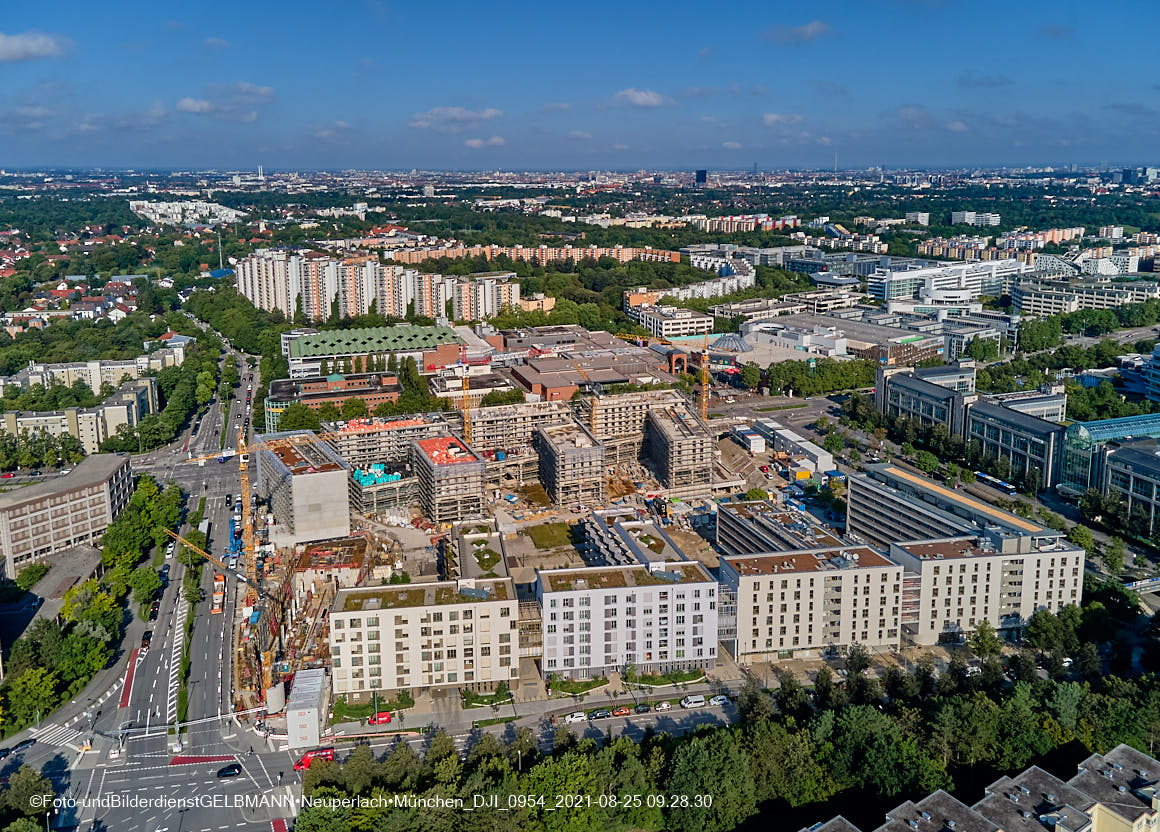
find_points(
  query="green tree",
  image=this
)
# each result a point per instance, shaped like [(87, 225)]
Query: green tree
[(145, 582), (354, 408), (713, 766), (1114, 555), (984, 641), (29, 792), (298, 416), (1081, 536), (32, 692), (926, 462), (750, 375)]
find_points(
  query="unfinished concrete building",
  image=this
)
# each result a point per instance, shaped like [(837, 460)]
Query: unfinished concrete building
[(571, 465), (680, 448), (507, 427), (450, 477), (367, 442), (618, 420)]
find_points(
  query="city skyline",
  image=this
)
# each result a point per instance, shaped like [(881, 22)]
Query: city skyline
[(851, 84)]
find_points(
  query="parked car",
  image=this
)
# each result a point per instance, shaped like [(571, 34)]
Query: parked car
[(697, 701), (642, 708), (232, 770), (719, 700), (154, 607), (7, 476), (381, 718), (575, 716), (146, 638), (623, 710), (663, 706), (602, 713)]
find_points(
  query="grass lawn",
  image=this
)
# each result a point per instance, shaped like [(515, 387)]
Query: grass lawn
[(550, 535), (675, 677), (344, 712), (499, 720), (485, 556), (779, 407), (574, 687), (471, 699)]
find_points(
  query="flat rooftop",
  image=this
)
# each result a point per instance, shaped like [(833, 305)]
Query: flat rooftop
[(92, 470), (423, 595), (957, 498), (402, 338), (569, 436), (356, 426), (298, 461), (617, 577), (678, 423), (858, 330), (446, 450), (813, 560)]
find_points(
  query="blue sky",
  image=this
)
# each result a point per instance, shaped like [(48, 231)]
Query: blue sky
[(519, 85)]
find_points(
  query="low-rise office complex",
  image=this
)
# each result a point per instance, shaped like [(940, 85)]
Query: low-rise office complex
[(59, 513), (133, 401)]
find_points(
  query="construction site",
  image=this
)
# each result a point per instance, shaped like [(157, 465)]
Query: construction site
[(419, 501)]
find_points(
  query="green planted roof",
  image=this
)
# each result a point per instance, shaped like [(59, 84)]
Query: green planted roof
[(403, 338)]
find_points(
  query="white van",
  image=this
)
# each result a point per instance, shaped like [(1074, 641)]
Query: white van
[(576, 716), (693, 702)]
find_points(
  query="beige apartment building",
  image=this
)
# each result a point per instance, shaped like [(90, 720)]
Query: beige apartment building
[(445, 634), (800, 603), (953, 585), (59, 513)]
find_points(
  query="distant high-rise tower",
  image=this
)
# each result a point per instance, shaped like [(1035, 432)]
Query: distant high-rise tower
[(261, 178), (702, 178)]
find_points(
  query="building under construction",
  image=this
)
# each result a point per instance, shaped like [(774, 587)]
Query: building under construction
[(367, 442), (307, 486), (571, 465), (618, 420), (509, 426), (451, 479), (680, 448)]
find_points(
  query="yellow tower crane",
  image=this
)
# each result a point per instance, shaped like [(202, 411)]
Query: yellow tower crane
[(465, 399)]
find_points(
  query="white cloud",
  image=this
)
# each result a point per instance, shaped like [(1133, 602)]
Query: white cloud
[(194, 105), (773, 119), (957, 126), (494, 141), (642, 98), (731, 145), (579, 134), (556, 105), (216, 43), (247, 90), (452, 119), (797, 34), (29, 46)]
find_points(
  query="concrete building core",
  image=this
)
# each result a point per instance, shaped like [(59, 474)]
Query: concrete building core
[(571, 465), (680, 448), (308, 488), (618, 420), (451, 478)]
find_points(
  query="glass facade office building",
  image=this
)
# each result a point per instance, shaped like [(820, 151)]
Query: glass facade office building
[(1082, 442)]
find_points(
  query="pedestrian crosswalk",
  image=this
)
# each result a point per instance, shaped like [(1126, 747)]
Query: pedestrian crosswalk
[(175, 659), (58, 735)]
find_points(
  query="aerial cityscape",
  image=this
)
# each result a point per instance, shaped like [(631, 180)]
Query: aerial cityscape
[(749, 421)]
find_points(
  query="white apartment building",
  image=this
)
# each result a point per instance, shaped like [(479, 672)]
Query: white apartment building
[(802, 602), (977, 218), (461, 634), (918, 217), (271, 279), (673, 322), (958, 282), (485, 295), (657, 617), (952, 585)]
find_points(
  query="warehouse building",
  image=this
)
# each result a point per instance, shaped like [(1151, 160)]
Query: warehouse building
[(451, 479), (62, 512), (571, 465)]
